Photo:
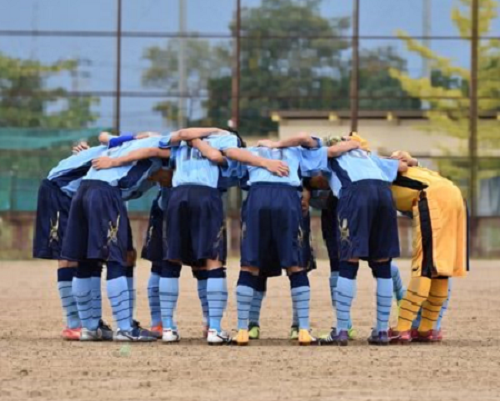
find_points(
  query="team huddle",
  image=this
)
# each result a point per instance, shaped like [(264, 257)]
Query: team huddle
[(82, 222)]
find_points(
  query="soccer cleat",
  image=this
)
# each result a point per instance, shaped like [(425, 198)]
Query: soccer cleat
[(294, 333), (414, 334), (105, 331), (342, 338), (171, 336), (242, 338), (400, 337), (305, 337), (89, 335), (352, 332), (215, 337), (254, 332), (71, 334), (205, 330), (157, 331), (379, 338), (431, 336), (438, 335), (134, 335)]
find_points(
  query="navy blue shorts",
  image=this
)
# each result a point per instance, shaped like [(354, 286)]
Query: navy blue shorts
[(308, 255), (51, 219), (368, 224), (272, 235), (98, 225), (330, 231), (153, 244), (195, 225)]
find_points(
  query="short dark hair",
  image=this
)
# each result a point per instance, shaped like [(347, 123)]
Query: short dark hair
[(243, 144)]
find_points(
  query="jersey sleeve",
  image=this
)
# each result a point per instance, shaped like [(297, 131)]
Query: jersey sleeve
[(224, 142), (165, 142), (313, 161), (389, 167)]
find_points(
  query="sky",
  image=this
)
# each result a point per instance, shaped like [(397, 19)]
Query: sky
[(377, 17)]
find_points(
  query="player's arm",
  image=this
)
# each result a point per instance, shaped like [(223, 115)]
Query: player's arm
[(342, 147), (302, 139), (403, 167), (105, 162), (406, 157), (82, 145), (188, 134), (209, 152), (276, 167)]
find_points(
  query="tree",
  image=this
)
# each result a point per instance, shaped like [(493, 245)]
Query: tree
[(447, 88), (25, 97)]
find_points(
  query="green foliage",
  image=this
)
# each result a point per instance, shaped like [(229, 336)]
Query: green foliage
[(291, 58), (25, 96)]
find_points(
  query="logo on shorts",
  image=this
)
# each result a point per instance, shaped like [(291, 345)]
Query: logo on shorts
[(344, 230), (54, 230), (149, 237), (220, 235), (300, 237), (113, 231)]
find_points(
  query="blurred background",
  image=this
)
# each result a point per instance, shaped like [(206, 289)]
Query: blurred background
[(419, 75)]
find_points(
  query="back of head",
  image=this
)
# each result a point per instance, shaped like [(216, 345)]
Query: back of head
[(243, 144)]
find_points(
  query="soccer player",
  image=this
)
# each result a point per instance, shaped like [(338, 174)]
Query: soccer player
[(99, 230), (440, 245), (54, 201), (367, 225), (271, 229)]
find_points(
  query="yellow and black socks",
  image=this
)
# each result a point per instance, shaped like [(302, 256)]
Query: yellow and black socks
[(416, 294)]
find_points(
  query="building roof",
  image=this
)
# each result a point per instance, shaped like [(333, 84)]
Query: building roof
[(362, 114)]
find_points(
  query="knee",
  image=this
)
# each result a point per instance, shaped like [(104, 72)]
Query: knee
[(381, 269), (115, 270), (170, 270), (349, 270), (299, 279)]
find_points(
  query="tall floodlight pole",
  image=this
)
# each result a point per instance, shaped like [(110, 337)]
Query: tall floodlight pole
[(355, 67), (235, 95), (181, 116), (473, 115), (426, 31), (118, 65)]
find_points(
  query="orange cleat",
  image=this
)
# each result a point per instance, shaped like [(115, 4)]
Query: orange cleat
[(157, 331), (71, 334)]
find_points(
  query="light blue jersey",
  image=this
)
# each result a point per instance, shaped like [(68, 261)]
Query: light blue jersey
[(301, 162), (357, 165), (132, 178), (70, 171), (192, 168)]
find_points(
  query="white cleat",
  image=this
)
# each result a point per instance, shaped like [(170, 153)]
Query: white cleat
[(218, 338), (171, 336)]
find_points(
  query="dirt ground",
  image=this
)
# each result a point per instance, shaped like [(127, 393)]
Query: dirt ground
[(36, 364)]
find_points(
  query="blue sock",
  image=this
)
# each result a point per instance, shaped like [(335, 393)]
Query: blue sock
[(65, 286), (384, 303), (245, 290), (382, 271), (169, 294), (399, 288), (202, 276), (82, 291), (301, 297), (444, 307), (258, 297), (346, 292), (131, 291), (95, 283), (416, 323), (154, 295), (118, 295), (295, 316), (334, 278), (216, 297)]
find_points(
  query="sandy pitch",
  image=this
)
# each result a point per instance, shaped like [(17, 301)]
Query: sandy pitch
[(36, 364)]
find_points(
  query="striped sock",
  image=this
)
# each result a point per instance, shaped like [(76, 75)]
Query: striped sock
[(82, 291), (216, 297), (65, 286), (416, 294), (384, 303), (201, 276), (169, 294), (131, 291), (118, 295), (95, 282), (444, 308), (334, 278), (154, 295), (399, 288), (244, 296), (346, 292), (417, 320), (256, 306), (431, 308), (301, 297)]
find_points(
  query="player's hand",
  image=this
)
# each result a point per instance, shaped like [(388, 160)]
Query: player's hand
[(350, 145), (82, 145), (267, 143), (103, 162), (146, 134), (277, 167)]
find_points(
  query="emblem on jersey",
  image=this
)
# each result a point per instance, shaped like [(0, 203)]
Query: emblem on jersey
[(54, 230), (344, 230), (113, 231)]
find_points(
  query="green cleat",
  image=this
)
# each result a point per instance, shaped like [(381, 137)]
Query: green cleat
[(254, 331), (294, 333), (352, 333)]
